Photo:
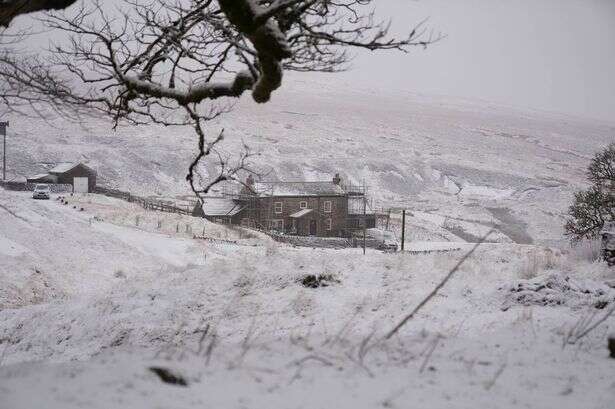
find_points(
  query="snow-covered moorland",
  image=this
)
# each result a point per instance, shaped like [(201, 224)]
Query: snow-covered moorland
[(97, 308), (458, 165)]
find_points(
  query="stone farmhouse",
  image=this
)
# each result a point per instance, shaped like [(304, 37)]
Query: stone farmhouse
[(323, 209)]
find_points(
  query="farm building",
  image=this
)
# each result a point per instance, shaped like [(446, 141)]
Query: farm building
[(324, 209), (219, 210), (80, 176)]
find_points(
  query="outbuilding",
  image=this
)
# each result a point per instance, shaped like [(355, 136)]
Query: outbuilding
[(80, 176), (219, 210)]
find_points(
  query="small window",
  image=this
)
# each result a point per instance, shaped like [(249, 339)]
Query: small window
[(327, 206), (303, 205), (328, 224), (277, 206)]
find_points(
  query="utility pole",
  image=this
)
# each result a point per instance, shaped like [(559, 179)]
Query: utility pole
[(3, 126), (403, 229)]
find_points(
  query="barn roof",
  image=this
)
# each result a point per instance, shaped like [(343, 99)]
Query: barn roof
[(298, 189), (42, 177), (39, 175), (64, 167), (220, 206)]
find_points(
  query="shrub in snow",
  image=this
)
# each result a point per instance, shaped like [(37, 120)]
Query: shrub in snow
[(595, 206), (321, 280), (557, 289), (168, 376)]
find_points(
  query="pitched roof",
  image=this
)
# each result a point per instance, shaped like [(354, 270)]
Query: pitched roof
[(46, 177), (220, 206), (64, 167), (298, 189), (39, 175)]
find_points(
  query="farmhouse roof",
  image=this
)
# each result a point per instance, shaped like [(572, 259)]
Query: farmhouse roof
[(220, 206), (298, 189)]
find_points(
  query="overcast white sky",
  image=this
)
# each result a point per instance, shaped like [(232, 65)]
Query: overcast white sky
[(556, 55)]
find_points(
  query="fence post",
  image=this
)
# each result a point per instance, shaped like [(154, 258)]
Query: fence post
[(403, 229), (364, 222)]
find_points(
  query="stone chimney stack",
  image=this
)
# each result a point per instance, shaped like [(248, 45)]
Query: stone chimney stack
[(336, 179), (250, 181)]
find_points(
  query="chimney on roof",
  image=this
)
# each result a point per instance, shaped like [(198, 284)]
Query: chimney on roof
[(250, 181), (336, 179)]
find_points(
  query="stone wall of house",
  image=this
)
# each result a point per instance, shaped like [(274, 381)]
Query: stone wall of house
[(272, 214)]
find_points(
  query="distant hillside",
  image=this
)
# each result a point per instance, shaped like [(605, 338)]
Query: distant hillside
[(461, 165)]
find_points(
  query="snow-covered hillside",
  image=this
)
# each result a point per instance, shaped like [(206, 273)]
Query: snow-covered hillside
[(468, 164), (92, 299)]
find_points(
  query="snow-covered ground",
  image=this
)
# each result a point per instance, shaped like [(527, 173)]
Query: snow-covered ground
[(91, 300)]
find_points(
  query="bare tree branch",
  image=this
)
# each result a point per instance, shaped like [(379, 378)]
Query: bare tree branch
[(180, 62)]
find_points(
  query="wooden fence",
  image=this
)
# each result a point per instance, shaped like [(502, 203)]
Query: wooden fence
[(28, 187), (147, 203)]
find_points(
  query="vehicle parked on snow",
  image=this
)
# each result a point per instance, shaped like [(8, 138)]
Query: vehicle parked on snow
[(41, 191)]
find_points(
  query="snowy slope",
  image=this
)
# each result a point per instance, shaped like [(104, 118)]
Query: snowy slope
[(90, 341), (51, 251), (473, 161)]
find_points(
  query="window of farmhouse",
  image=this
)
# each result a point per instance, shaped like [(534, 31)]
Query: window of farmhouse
[(303, 205), (277, 207), (328, 224), (327, 207)]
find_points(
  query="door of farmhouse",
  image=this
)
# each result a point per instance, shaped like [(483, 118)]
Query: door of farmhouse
[(312, 227)]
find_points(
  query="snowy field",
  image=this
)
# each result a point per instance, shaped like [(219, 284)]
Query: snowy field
[(91, 300)]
